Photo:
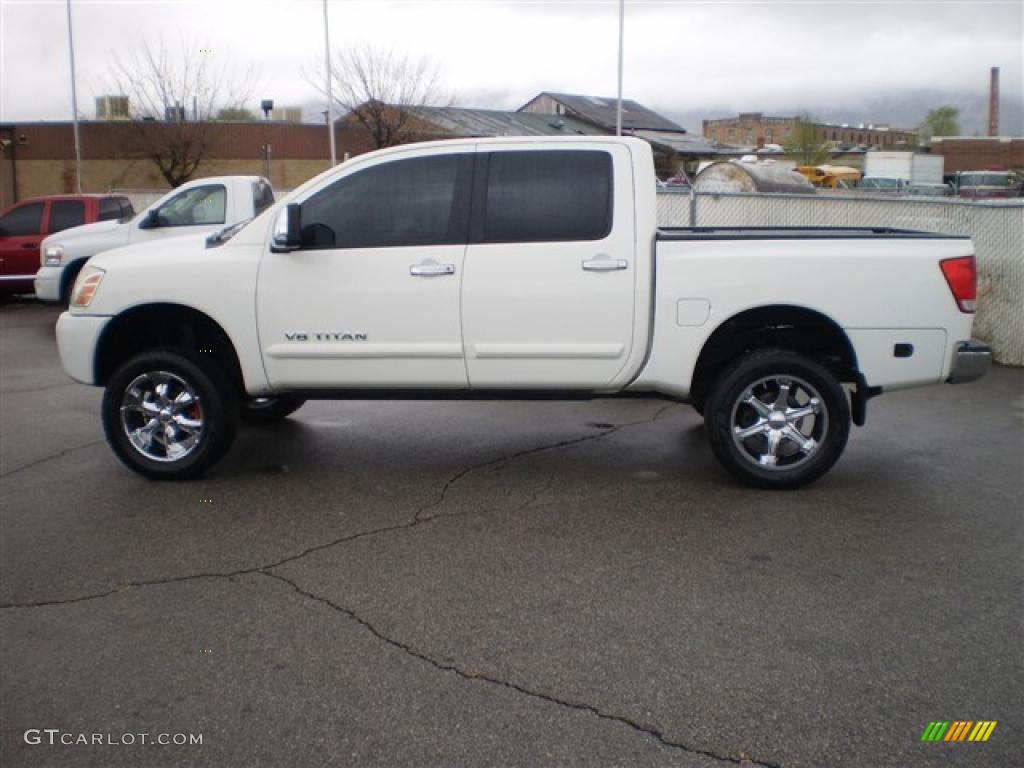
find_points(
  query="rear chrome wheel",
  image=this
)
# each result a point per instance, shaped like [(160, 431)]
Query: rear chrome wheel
[(169, 417), (778, 422), (776, 419)]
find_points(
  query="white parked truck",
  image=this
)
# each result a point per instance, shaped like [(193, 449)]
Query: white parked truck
[(516, 268), (911, 167), (199, 206)]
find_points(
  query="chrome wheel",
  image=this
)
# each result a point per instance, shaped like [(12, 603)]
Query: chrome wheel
[(162, 416), (778, 422)]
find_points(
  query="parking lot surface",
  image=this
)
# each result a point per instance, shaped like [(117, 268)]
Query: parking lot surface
[(507, 584)]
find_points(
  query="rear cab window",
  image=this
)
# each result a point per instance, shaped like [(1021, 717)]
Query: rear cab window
[(548, 196), (65, 214), (262, 196)]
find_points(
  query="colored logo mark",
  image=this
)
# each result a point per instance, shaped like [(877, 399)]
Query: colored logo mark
[(958, 730)]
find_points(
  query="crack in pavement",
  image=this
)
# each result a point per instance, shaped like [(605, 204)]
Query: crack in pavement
[(45, 459), (446, 666), (418, 519)]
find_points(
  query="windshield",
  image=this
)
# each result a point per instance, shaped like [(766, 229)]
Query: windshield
[(880, 183), (195, 206), (985, 180)]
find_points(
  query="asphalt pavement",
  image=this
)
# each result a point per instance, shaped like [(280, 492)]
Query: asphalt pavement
[(506, 584)]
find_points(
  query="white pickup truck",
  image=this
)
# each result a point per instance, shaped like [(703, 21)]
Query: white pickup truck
[(202, 205), (516, 268)]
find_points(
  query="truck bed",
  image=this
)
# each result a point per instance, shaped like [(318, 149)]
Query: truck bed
[(790, 233)]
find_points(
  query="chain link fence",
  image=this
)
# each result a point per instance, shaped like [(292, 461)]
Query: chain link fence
[(996, 227)]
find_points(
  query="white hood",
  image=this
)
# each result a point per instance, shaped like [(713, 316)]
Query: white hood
[(90, 239)]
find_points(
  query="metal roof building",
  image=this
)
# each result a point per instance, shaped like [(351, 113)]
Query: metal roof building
[(600, 111), (458, 121)]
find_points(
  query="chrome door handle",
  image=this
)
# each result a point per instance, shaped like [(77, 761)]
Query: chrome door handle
[(604, 265), (431, 270)]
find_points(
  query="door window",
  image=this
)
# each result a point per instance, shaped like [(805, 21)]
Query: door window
[(262, 196), (411, 202), (65, 214), (555, 195), (196, 206), (24, 220), (110, 208)]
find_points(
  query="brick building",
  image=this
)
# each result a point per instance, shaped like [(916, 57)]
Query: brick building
[(753, 129), (39, 158), (963, 153)]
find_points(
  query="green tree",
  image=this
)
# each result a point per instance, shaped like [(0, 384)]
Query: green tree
[(804, 144), (941, 121)]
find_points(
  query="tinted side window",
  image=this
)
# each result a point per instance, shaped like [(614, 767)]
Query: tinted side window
[(127, 209), (110, 208), (23, 220), (65, 214), (403, 202), (548, 195), (262, 197)]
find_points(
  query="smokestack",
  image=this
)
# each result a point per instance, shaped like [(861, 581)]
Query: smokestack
[(993, 103)]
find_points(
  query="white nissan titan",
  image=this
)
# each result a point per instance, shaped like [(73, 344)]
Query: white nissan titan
[(515, 268)]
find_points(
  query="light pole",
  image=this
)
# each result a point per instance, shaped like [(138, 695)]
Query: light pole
[(74, 104), (330, 98), (618, 106)]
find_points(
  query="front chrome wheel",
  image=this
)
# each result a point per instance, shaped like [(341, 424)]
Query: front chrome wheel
[(162, 416), (778, 422)]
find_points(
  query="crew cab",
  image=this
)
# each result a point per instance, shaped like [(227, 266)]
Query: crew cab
[(200, 206), (24, 225), (516, 268)]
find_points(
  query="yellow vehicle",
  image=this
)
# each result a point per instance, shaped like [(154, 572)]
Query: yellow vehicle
[(829, 176)]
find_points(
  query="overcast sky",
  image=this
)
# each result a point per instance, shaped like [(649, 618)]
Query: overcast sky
[(684, 58)]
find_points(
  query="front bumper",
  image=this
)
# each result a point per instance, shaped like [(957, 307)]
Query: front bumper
[(77, 339), (47, 283), (971, 361)]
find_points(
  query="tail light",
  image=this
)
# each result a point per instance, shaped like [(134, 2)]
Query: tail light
[(962, 276)]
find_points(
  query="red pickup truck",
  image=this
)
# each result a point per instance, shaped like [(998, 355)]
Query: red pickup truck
[(24, 225)]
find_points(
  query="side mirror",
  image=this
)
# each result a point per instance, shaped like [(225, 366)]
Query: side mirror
[(151, 221), (287, 229)]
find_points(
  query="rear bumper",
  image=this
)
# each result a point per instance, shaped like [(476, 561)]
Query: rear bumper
[(971, 361)]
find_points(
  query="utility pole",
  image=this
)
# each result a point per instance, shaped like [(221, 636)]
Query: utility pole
[(618, 106), (74, 105), (330, 97)]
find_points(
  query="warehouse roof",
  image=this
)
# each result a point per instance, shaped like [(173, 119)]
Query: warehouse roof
[(489, 122), (601, 110)]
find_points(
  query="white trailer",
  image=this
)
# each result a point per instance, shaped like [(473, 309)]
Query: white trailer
[(910, 166)]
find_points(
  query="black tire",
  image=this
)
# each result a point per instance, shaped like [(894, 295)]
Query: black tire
[(267, 410), (195, 392), (774, 376)]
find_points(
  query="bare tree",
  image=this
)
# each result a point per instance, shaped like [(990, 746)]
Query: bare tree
[(805, 144), (176, 96), (376, 88)]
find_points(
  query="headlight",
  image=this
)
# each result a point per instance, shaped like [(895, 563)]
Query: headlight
[(52, 254), (86, 285)]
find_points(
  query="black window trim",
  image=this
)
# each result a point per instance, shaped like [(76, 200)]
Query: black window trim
[(482, 180), (461, 204)]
